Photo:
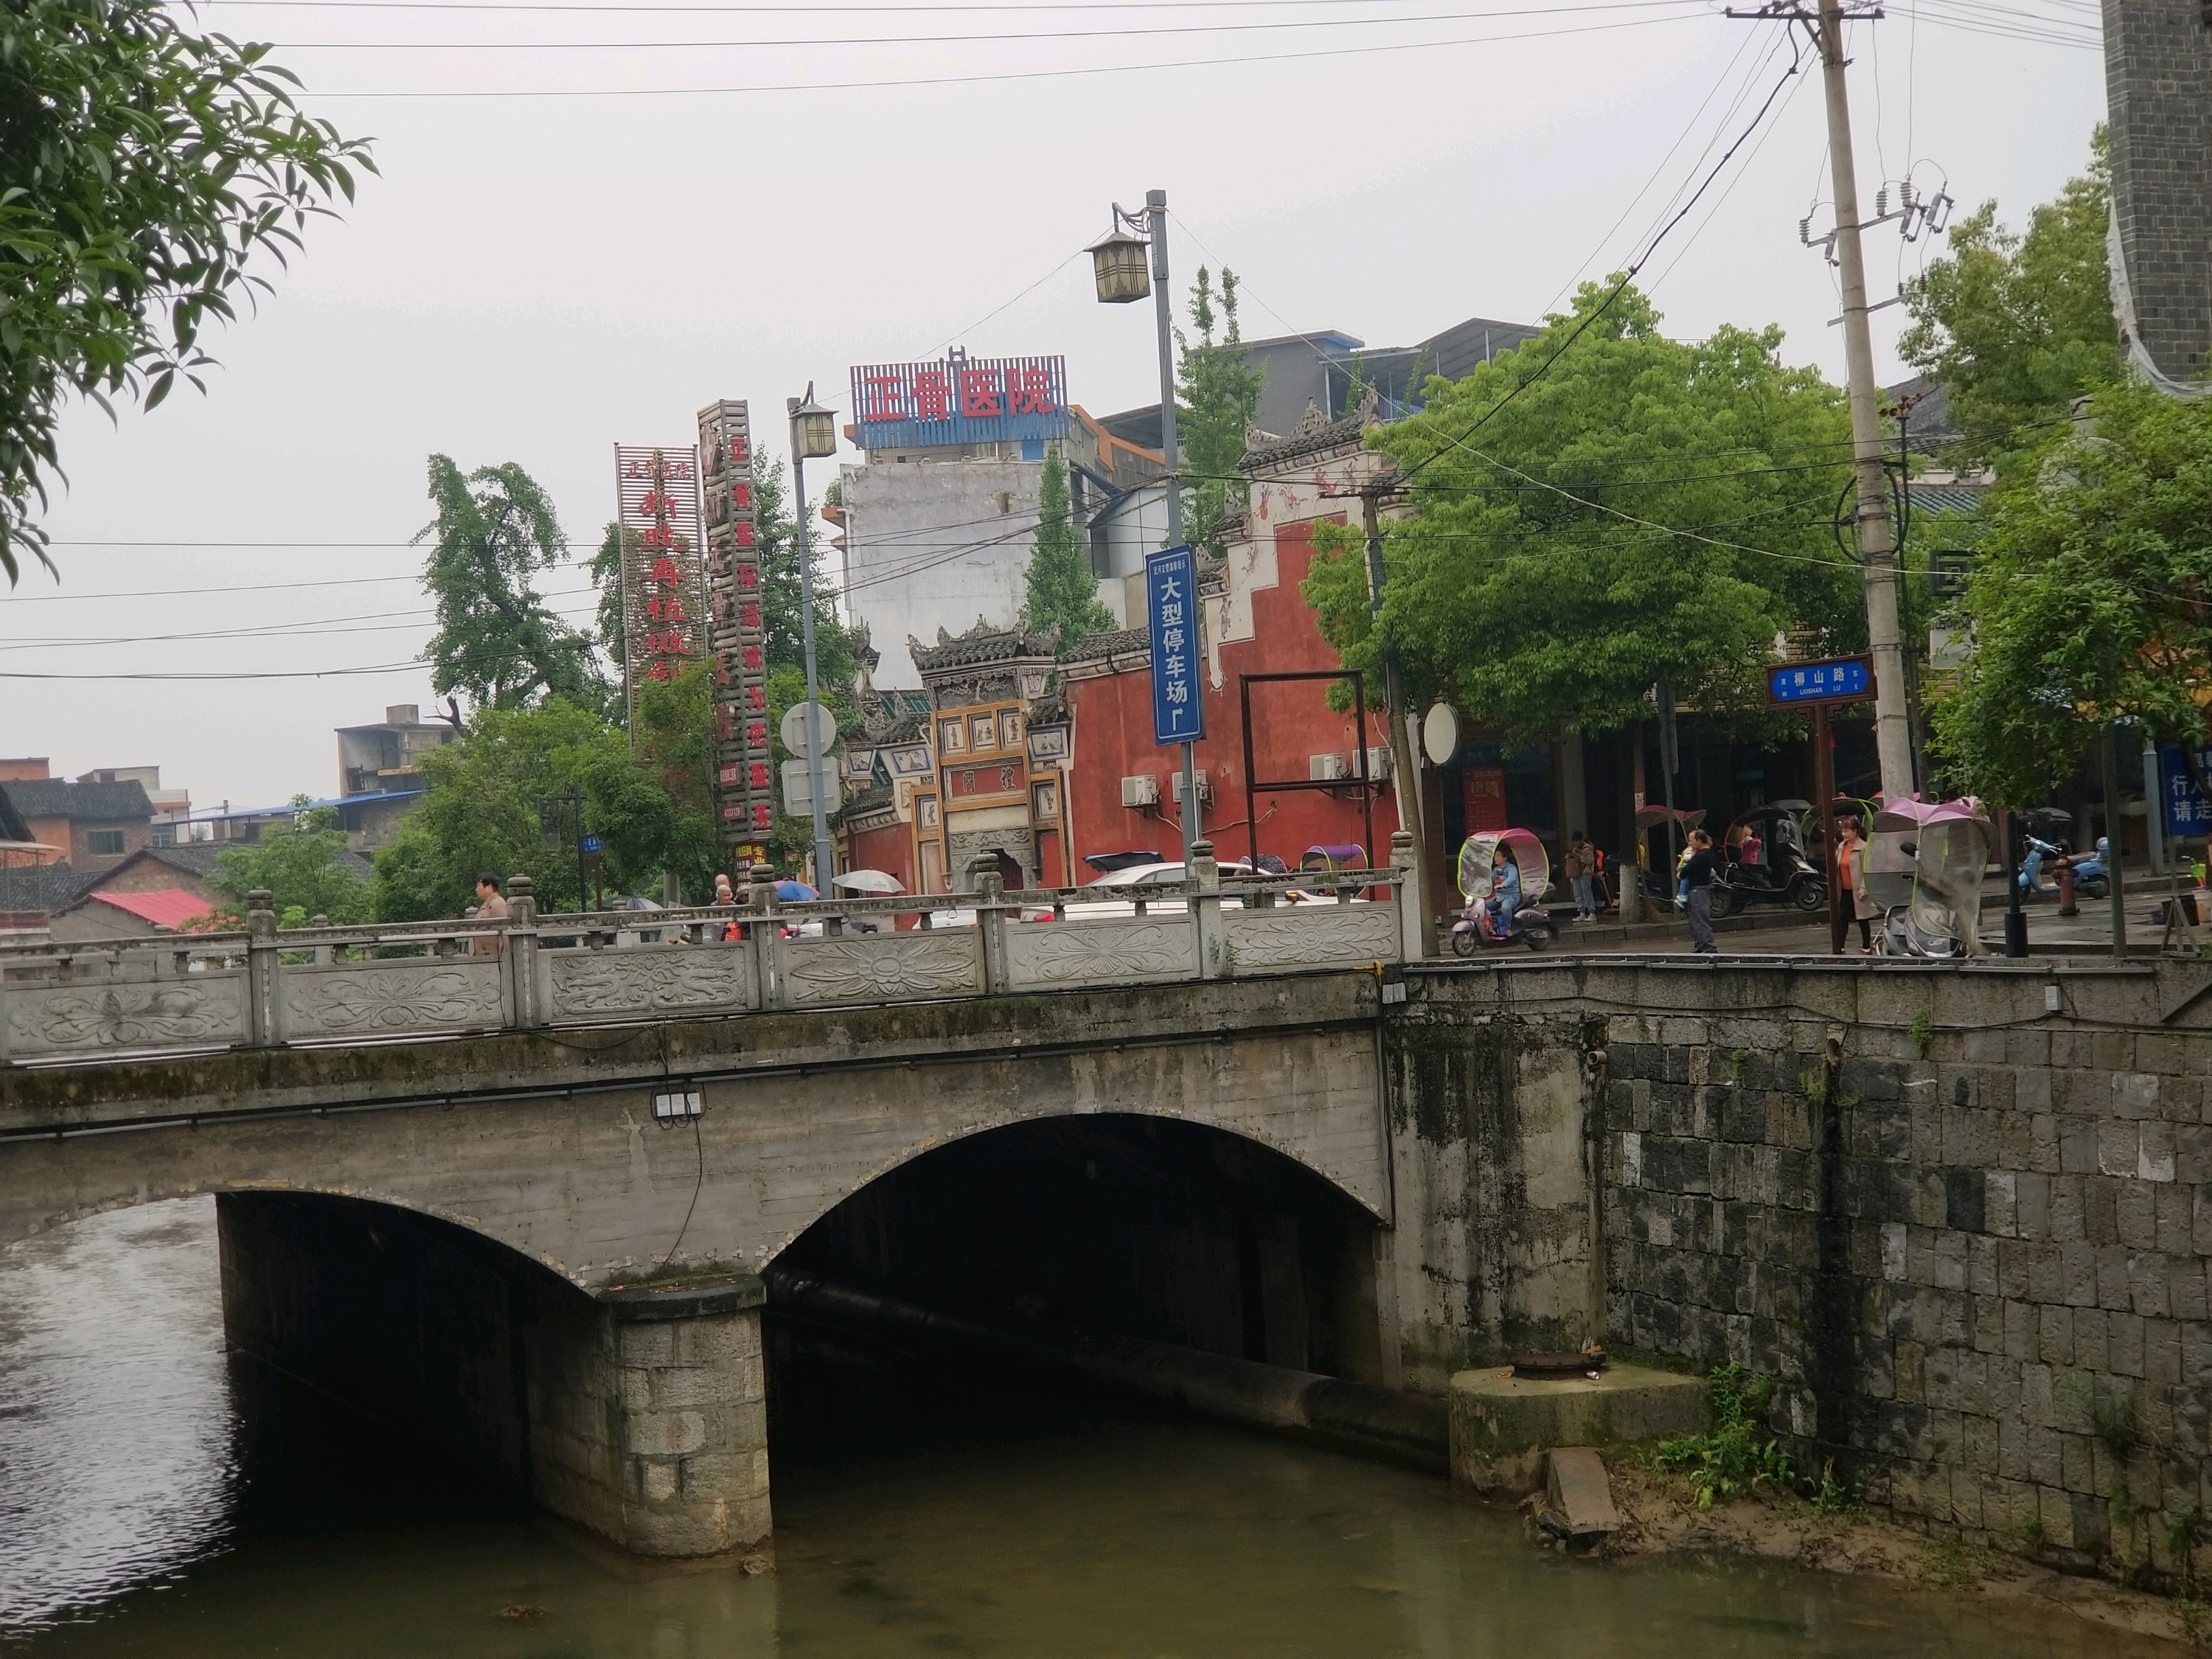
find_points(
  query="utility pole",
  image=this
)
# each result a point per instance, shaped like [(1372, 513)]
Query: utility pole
[(1892, 730), (1155, 208), (1877, 536), (1405, 760)]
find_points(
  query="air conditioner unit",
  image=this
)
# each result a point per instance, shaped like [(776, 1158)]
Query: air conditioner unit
[(1322, 768), (1143, 790), (1378, 763), (1204, 789)]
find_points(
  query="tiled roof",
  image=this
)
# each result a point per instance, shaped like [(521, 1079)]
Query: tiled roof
[(980, 644), (1310, 437), (42, 887), (1114, 644), (59, 798), (167, 908)]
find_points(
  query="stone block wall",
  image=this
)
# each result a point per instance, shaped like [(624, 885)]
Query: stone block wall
[(1970, 1240), (2158, 72)]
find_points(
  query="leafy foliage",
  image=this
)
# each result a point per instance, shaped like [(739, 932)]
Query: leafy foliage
[(2088, 603), (497, 641), (1217, 395), (675, 755), (1063, 593), (2014, 323), (1739, 1457), (143, 170), (481, 812), (1543, 577), (300, 863)]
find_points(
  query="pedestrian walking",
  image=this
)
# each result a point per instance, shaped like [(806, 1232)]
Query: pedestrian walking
[(1579, 866), (1851, 878), (491, 906), (1698, 870)]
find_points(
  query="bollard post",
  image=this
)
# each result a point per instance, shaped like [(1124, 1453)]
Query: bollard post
[(263, 1013), (990, 921), (1203, 877), (521, 953)]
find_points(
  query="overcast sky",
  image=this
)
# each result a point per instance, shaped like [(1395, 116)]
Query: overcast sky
[(534, 278)]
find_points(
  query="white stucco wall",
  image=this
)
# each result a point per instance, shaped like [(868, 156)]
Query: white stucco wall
[(932, 543)]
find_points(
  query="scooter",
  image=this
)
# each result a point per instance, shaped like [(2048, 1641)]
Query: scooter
[(1531, 925), (2090, 879)]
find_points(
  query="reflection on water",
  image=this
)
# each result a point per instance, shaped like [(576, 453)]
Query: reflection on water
[(122, 1530)]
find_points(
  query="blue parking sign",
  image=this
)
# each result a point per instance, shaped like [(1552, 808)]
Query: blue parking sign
[(1172, 605)]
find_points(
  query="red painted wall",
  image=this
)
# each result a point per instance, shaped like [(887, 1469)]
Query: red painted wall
[(1291, 722)]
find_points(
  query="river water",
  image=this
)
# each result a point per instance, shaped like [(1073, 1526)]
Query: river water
[(135, 1518)]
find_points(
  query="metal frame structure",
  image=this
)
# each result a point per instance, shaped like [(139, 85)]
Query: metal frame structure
[(1253, 787)]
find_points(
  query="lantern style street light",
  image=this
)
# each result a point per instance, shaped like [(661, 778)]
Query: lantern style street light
[(1118, 258), (813, 438), (1118, 265)]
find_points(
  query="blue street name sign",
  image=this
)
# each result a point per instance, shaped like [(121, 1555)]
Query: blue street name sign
[(1840, 679), (1172, 605), (2186, 810), (594, 844)]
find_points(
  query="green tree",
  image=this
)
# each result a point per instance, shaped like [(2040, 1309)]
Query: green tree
[(2017, 324), (497, 641), (2086, 604), (1217, 395), (608, 630), (304, 866), (675, 755), (1063, 592), (147, 175), (1550, 574), (481, 812)]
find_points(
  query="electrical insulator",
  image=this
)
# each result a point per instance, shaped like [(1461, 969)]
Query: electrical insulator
[(1805, 230), (1881, 203)]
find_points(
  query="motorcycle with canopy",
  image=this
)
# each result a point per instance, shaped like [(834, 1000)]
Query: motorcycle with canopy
[(1924, 866), (1519, 916)]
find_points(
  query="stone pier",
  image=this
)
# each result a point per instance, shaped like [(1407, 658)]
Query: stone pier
[(640, 1412)]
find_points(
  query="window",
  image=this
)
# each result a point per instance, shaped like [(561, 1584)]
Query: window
[(104, 843)]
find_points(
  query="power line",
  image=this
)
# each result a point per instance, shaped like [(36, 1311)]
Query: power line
[(1620, 286), (258, 674), (808, 41), (1012, 75)]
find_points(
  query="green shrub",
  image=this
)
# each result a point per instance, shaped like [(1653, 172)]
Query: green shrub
[(1739, 1457)]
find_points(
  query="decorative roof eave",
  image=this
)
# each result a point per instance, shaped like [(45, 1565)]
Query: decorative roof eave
[(1314, 434), (981, 644)]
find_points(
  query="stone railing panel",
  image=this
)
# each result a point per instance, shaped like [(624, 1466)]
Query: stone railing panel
[(1325, 935), (882, 967), (648, 979), (1048, 956), (102, 1016), (396, 997)]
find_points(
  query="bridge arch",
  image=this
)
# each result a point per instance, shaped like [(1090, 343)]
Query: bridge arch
[(1144, 1224)]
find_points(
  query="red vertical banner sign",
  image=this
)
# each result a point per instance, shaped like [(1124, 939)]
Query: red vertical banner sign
[(743, 761), (1485, 799), (664, 588)]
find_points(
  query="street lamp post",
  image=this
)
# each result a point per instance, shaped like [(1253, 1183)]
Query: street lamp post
[(813, 438), (1118, 264)]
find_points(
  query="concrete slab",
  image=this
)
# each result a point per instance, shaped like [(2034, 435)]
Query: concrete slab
[(1577, 1496), (1502, 1425)]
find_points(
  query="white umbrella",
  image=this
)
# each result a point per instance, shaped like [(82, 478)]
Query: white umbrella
[(869, 881)]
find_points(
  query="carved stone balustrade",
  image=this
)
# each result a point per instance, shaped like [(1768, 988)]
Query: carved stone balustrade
[(263, 988)]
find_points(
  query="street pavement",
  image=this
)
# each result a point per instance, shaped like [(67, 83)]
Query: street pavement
[(1771, 932)]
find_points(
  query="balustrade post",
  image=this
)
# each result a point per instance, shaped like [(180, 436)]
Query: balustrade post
[(264, 1006), (766, 935), (990, 920), (1204, 875), (1413, 926), (521, 953)]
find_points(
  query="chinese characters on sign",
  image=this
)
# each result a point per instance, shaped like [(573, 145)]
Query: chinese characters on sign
[(664, 601), (1171, 603), (743, 787), (961, 400), (2187, 812), (1836, 679)]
